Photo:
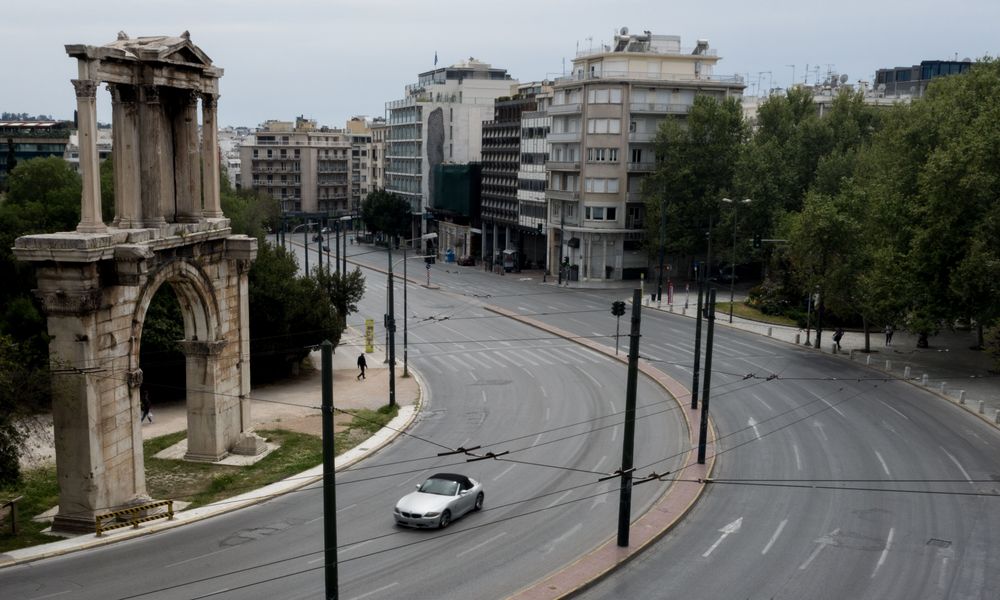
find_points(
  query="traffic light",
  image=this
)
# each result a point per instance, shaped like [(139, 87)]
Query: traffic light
[(618, 308), (756, 240)]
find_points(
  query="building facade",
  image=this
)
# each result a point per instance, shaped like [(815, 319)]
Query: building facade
[(24, 140), (359, 132), (531, 178), (303, 166), (913, 81), (605, 116), (503, 159), (376, 154), (439, 121)]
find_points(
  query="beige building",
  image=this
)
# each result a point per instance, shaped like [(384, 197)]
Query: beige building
[(376, 161), (304, 166), (359, 131), (604, 116)]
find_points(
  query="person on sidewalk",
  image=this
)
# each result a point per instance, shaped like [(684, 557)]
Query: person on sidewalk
[(888, 335), (146, 406), (362, 364), (837, 336)]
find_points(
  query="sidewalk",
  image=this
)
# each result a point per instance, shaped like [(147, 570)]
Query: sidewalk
[(292, 405), (949, 367)]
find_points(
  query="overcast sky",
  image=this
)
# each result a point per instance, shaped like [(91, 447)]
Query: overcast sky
[(331, 59)]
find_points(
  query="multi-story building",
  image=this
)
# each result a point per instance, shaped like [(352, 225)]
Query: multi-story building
[(912, 81), (376, 155), (230, 141), (359, 131), (305, 167), (24, 140), (72, 152), (604, 119), (503, 229), (531, 207), (440, 120)]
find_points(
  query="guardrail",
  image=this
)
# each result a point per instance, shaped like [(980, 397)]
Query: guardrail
[(134, 519), (12, 505)]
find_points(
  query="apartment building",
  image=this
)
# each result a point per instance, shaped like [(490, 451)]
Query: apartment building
[(304, 166), (503, 158), (531, 177), (605, 115), (376, 161), (359, 131), (440, 120)]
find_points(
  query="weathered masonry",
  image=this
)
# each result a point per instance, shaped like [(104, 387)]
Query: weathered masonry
[(96, 283)]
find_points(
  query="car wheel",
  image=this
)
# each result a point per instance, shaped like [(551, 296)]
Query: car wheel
[(445, 519), (479, 502)]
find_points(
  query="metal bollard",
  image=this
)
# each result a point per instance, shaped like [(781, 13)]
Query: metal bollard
[(961, 396), (996, 417), (923, 379), (851, 354), (944, 386), (982, 407), (906, 372), (888, 365), (797, 335), (770, 330), (868, 360), (833, 348)]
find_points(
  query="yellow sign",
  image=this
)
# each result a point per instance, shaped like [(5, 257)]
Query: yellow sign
[(369, 335)]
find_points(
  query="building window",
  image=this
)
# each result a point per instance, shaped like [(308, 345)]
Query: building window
[(601, 185), (603, 125), (637, 155), (600, 213)]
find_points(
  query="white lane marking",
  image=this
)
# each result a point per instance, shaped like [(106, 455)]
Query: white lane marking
[(591, 377), (826, 540), (761, 400), (822, 432), (827, 402), (885, 467), (52, 595), (958, 464), (545, 395), (538, 438), (523, 308), (885, 551), (478, 361), (728, 529), (561, 538), (752, 423), (798, 459), (611, 405), (349, 548), (481, 544), (504, 472), (484, 396), (407, 480), (559, 499), (539, 360), (473, 376), (586, 355), (884, 403), (774, 536), (598, 334), (597, 467), (553, 307), (376, 591), (199, 557), (614, 433), (579, 322), (942, 574)]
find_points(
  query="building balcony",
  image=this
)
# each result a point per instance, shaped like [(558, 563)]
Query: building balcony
[(564, 137), (565, 109), (641, 136), (561, 195), (554, 165), (641, 167), (659, 108), (634, 197)]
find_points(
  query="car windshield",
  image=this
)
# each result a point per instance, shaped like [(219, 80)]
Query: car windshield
[(443, 487)]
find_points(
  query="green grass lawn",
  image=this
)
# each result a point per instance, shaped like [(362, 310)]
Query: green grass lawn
[(748, 312), (197, 483)]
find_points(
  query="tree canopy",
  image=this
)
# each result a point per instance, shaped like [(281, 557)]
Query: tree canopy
[(387, 213)]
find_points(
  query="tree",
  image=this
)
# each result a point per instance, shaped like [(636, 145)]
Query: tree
[(695, 161), (386, 213), (23, 388), (345, 291)]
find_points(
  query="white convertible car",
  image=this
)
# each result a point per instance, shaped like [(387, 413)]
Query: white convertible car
[(438, 501)]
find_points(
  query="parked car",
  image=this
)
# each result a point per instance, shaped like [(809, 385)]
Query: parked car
[(438, 501)]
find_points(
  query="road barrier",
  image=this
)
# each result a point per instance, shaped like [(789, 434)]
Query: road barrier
[(132, 512)]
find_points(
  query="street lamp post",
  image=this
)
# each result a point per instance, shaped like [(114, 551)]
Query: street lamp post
[(732, 267), (390, 320)]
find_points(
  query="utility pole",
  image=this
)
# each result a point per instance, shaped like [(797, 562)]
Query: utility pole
[(344, 270), (336, 246), (697, 344), (663, 243), (628, 443), (305, 238), (390, 326), (329, 477), (406, 363), (703, 430), (562, 239)]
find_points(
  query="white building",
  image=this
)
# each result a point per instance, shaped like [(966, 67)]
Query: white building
[(440, 120), (605, 116)]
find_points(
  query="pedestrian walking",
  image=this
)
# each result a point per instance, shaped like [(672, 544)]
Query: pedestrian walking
[(837, 336), (362, 364), (888, 335), (146, 406)]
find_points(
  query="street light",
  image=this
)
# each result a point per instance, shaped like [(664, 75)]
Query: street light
[(390, 318), (732, 267)]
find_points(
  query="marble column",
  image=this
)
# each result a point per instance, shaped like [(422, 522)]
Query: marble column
[(90, 202), (125, 132), (156, 160), (210, 155), (187, 159)]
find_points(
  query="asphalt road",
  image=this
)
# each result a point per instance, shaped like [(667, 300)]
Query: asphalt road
[(491, 382)]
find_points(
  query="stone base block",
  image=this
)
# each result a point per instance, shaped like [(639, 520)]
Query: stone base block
[(250, 444), (208, 458)]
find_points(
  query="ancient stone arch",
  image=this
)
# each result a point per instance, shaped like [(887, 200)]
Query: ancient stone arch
[(96, 283)]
